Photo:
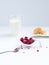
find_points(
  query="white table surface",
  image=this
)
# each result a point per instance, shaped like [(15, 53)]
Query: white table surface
[(24, 56)]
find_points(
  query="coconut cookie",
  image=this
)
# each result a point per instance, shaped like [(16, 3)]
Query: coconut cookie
[(39, 31)]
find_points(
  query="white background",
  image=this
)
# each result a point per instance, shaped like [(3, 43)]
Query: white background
[(33, 12)]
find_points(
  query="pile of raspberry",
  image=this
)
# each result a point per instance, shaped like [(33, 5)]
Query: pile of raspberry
[(27, 40)]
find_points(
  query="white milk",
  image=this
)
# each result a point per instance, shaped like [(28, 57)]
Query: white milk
[(15, 25)]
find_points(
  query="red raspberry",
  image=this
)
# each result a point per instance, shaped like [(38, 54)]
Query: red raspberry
[(28, 42), (16, 49), (31, 40), (37, 50), (26, 38), (24, 41), (21, 39)]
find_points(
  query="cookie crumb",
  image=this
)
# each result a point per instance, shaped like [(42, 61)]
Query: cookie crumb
[(46, 46), (23, 52)]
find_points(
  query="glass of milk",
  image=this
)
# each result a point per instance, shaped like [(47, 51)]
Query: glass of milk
[(15, 25)]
